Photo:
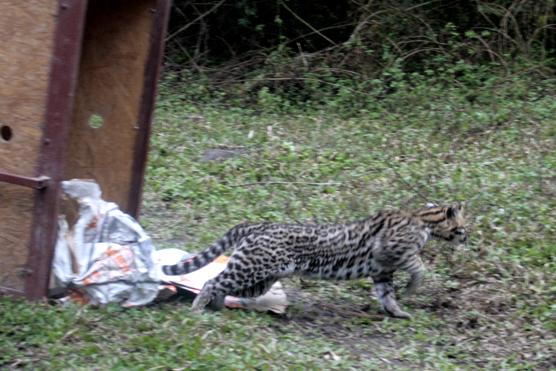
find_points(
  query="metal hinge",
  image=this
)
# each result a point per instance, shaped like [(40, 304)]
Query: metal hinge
[(40, 182)]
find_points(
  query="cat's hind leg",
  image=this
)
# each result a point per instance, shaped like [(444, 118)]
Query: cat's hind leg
[(241, 276), (209, 295), (258, 289)]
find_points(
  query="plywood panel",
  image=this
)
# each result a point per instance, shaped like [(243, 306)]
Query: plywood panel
[(110, 88), (26, 37), (26, 41), (16, 217)]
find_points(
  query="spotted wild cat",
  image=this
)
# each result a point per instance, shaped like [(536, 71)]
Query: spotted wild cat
[(375, 247)]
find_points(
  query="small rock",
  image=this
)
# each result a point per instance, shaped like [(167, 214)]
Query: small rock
[(331, 356), (222, 154)]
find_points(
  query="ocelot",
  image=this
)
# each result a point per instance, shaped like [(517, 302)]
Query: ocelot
[(376, 246)]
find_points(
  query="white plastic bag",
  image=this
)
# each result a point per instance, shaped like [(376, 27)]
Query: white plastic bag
[(106, 256)]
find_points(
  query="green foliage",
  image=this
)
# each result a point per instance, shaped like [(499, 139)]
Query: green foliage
[(293, 52), (168, 336), (483, 30), (467, 85)]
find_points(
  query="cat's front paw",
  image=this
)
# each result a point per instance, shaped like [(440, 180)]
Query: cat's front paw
[(401, 314), (397, 314)]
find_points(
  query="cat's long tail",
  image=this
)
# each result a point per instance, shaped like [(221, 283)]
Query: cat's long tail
[(232, 237)]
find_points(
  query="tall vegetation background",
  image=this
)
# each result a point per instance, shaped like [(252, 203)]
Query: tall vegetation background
[(309, 51)]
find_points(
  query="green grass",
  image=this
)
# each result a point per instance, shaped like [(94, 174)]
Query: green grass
[(489, 305)]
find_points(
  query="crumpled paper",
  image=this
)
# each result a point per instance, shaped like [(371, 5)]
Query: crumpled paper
[(274, 300), (106, 256)]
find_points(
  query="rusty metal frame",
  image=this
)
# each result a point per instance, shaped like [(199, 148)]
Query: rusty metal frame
[(59, 107), (152, 69), (25, 181)]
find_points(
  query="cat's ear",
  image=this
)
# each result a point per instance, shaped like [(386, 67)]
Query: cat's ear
[(430, 205), (462, 207), (455, 210)]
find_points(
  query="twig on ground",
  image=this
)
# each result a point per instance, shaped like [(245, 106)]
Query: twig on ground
[(286, 183), (406, 183)]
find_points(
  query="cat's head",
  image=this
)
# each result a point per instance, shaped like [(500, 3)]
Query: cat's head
[(445, 222)]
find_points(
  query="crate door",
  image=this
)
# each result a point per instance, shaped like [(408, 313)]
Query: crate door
[(39, 49)]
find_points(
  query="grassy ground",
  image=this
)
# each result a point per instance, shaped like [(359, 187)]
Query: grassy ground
[(491, 304)]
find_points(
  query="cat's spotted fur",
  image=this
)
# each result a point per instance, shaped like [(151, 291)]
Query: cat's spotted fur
[(375, 247)]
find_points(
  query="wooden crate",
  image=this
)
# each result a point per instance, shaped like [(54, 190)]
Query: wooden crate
[(77, 90)]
